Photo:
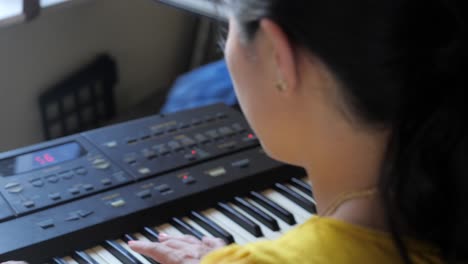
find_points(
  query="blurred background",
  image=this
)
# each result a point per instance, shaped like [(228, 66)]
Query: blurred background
[(135, 49)]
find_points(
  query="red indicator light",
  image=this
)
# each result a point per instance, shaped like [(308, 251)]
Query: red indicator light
[(185, 177), (250, 136), (49, 158), (194, 152)]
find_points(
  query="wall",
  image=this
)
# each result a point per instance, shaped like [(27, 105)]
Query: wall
[(149, 42)]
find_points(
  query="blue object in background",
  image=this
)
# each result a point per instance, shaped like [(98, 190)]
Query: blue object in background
[(208, 84)]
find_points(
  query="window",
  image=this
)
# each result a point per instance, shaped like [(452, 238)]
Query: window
[(12, 11)]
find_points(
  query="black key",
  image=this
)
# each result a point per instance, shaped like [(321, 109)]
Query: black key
[(302, 186), (240, 219), (185, 228), (129, 237), (296, 198), (59, 261), (274, 208), (120, 253), (212, 227), (257, 213), (83, 258), (151, 234)]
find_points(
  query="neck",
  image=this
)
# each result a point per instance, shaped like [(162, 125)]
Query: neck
[(359, 162)]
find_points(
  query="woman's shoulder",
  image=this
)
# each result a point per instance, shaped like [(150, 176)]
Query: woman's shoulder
[(321, 240)]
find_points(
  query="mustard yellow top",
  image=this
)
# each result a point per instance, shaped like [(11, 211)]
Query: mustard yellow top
[(323, 240)]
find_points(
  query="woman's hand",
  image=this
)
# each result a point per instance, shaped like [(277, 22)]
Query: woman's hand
[(177, 250)]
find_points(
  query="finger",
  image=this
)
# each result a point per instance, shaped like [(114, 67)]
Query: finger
[(154, 250), (163, 237), (213, 242), (14, 262), (190, 239), (191, 249)]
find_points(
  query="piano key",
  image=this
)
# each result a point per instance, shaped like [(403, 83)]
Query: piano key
[(299, 213), (301, 185), (185, 228), (70, 260), (284, 227), (267, 233), (130, 237), (151, 234), (59, 261), (83, 258), (92, 254), (197, 226), (106, 255), (296, 198), (240, 235), (120, 253), (137, 255), (257, 213), (241, 220), (274, 208), (169, 229), (306, 196), (212, 227)]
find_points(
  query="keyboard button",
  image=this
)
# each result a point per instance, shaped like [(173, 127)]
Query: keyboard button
[(201, 139), (296, 198), (274, 208), (240, 219), (174, 145)]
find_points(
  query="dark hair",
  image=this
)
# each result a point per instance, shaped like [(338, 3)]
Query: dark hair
[(402, 64)]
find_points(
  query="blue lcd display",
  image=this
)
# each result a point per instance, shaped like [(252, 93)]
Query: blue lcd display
[(46, 157)]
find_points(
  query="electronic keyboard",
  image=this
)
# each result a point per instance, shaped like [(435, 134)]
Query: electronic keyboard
[(80, 198)]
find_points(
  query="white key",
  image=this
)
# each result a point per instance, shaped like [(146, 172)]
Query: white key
[(104, 254), (70, 260), (300, 214), (141, 237), (197, 226), (267, 232), (234, 226), (95, 256), (135, 254), (169, 229), (213, 215)]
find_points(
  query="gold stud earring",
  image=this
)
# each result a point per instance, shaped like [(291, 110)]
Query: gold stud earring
[(281, 85)]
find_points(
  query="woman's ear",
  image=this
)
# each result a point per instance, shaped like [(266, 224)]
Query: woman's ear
[(285, 67)]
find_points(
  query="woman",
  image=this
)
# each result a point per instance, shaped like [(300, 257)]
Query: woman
[(368, 96)]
